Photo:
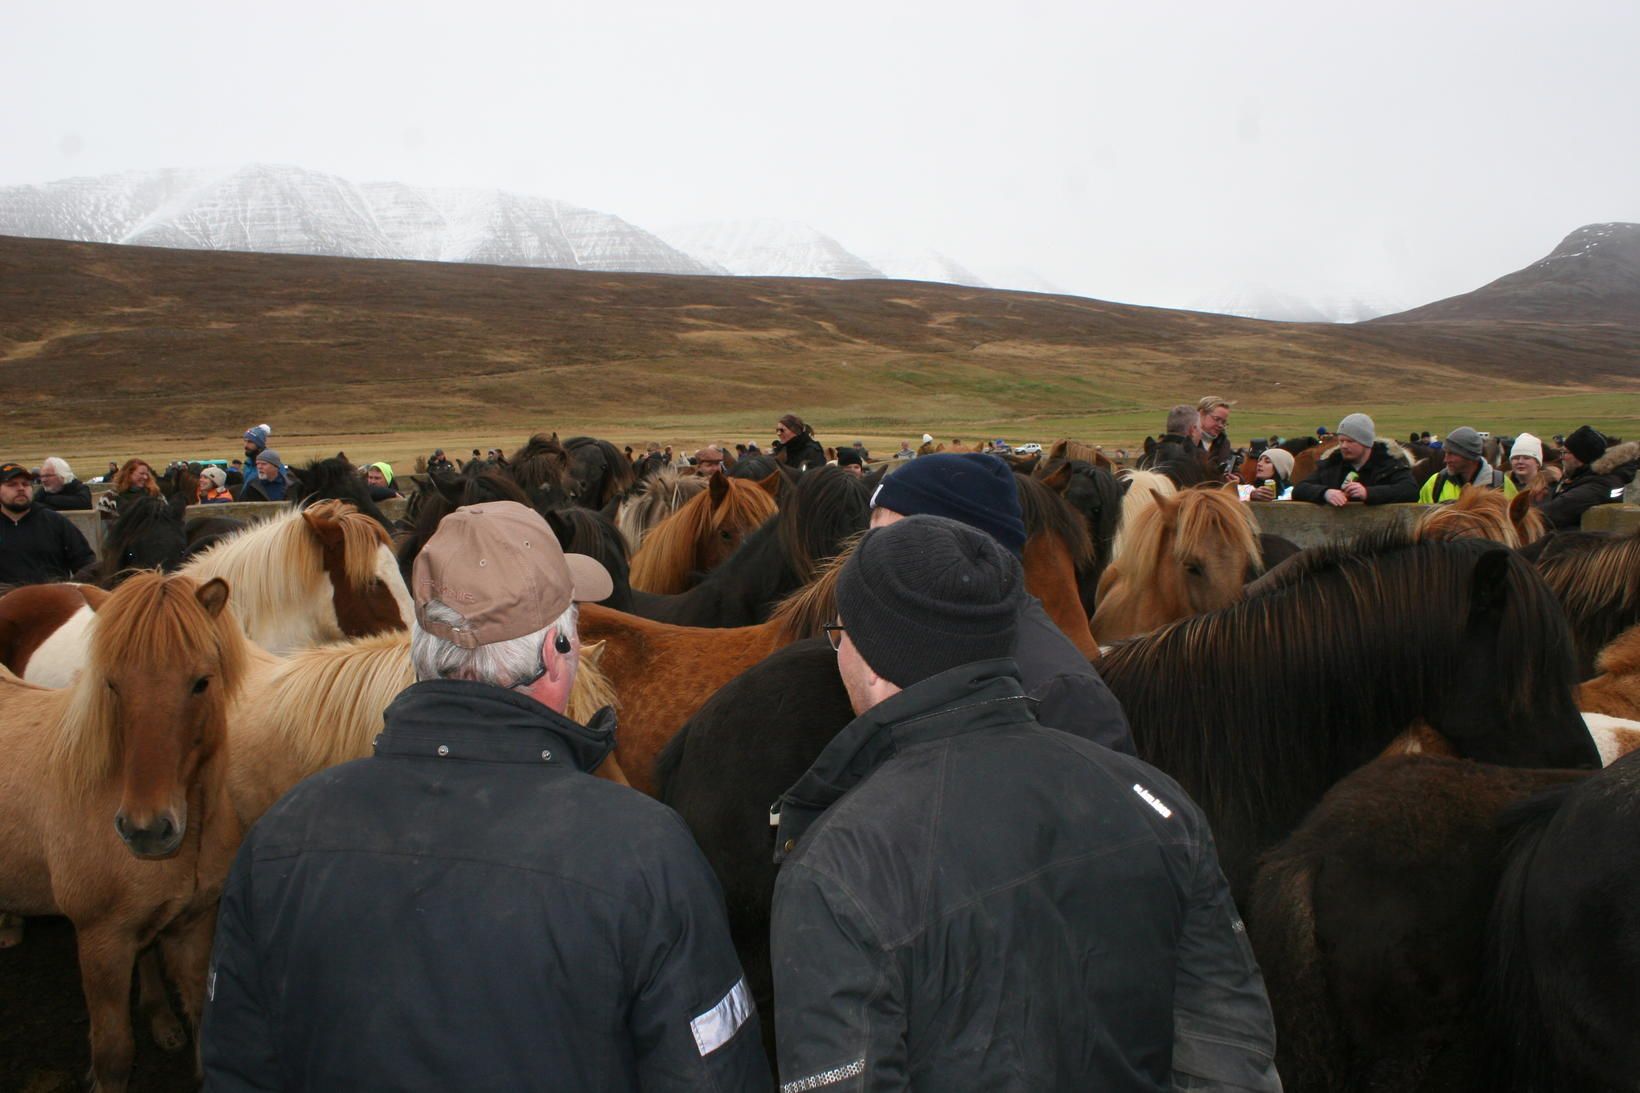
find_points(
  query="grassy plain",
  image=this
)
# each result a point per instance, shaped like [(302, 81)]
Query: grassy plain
[(112, 351)]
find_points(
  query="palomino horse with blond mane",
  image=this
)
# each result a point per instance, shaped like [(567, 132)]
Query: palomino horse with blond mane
[(1183, 555), (113, 796), (305, 576), (1481, 513), (702, 533)]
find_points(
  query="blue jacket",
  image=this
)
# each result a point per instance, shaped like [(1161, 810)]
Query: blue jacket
[(469, 909)]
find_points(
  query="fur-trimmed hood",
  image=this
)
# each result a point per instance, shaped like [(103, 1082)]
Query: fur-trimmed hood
[(1617, 460)]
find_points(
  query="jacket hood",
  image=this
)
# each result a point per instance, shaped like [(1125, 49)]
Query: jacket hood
[(1615, 459)]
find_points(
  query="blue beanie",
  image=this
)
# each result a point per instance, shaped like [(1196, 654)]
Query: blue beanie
[(971, 487), (258, 435)]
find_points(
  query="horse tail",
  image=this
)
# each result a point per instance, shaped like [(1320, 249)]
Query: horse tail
[(1520, 1058), (1282, 928), (669, 760)]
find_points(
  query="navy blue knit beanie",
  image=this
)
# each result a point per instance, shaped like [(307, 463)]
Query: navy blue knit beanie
[(925, 595), (972, 488)]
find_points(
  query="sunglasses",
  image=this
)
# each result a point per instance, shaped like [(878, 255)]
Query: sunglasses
[(834, 634)]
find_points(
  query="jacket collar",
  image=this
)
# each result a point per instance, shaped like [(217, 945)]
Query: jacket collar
[(461, 719), (970, 698)]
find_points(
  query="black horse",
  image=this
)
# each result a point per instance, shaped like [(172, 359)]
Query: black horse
[(334, 479), (147, 534), (826, 507), (599, 474)]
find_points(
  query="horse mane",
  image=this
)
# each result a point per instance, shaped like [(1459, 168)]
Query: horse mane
[(802, 614), (619, 472), (1189, 519), (1068, 449), (663, 564), (590, 532), (334, 479), (1045, 511), (326, 702), (829, 506), (1140, 489), (271, 564), (137, 519), (539, 464), (1480, 513), (1339, 604), (150, 623), (1598, 584), (656, 496)]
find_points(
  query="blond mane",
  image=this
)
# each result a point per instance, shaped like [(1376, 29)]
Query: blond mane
[(1481, 513), (151, 624), (658, 496), (802, 614), (1143, 488), (671, 549)]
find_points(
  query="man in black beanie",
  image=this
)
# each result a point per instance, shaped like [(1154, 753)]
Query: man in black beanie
[(968, 899), (1588, 479), (979, 490)]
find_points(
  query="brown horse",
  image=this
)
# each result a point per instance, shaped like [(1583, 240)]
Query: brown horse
[(662, 674), (113, 796), (703, 532), (1305, 461), (1067, 449), (1185, 555), (1616, 691), (1481, 513), (303, 577)]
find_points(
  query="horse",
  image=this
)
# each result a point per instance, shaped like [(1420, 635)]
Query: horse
[(1094, 492), (148, 533), (1306, 458), (299, 578), (702, 533), (113, 797), (1140, 490), (203, 532), (826, 507), (1597, 580), (334, 479), (663, 673), (1369, 923), (1076, 451), (599, 475), (656, 496), (1183, 555), (1482, 513), (1616, 690), (541, 469)]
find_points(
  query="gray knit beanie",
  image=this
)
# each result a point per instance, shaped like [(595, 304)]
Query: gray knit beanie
[(1465, 441), (926, 594), (1359, 428)]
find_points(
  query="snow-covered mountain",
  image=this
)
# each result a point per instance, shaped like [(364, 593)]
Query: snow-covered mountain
[(768, 248), (1268, 303), (928, 266), (286, 210)]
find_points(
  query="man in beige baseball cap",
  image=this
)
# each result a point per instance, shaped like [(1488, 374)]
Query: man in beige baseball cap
[(470, 886)]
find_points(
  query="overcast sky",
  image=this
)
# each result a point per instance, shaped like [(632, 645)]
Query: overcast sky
[(1161, 153)]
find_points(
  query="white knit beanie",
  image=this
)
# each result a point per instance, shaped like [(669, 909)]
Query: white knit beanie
[(1281, 459), (1527, 444)]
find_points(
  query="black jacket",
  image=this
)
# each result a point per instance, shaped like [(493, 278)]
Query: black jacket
[(1069, 693), (73, 496), (1597, 483), (971, 901), (469, 910), (43, 546), (802, 452), (1388, 479)]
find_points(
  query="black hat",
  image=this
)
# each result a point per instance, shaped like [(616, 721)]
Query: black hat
[(10, 470), (927, 594), (846, 456), (973, 487), (1586, 443)]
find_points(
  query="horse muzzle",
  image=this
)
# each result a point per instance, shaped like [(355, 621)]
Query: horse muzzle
[(158, 837)]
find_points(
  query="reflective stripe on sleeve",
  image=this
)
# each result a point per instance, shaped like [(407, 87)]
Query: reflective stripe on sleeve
[(717, 1026), (825, 1077)]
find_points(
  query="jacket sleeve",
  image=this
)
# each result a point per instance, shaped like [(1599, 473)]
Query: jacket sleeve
[(1396, 487), (1313, 488), (1083, 706), (840, 1023), (1224, 1035), (693, 1023), (1566, 509), (236, 1032)]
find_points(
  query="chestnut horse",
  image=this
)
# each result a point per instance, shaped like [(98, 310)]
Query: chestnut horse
[(1481, 513), (1185, 555), (113, 796), (305, 576), (703, 532), (1616, 691), (657, 496)]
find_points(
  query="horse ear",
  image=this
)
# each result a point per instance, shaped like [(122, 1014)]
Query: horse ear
[(718, 486), (326, 530), (1058, 478), (213, 596), (1489, 588), (771, 482)]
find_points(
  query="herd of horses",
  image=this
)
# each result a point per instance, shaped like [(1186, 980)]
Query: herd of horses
[(1390, 736)]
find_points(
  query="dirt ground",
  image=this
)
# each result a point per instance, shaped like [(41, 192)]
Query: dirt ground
[(44, 1040)]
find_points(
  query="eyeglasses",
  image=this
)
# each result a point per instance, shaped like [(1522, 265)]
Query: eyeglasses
[(834, 635)]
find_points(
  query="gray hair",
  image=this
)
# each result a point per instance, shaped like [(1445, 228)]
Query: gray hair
[(59, 466), (1181, 418), (503, 663)]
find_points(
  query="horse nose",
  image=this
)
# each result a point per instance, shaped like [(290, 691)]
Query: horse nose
[(155, 839)]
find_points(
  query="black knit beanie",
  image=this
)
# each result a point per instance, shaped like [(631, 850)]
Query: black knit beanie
[(1587, 444), (972, 488), (926, 594)]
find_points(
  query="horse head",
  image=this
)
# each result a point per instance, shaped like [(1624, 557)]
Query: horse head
[(148, 534), (367, 588), (150, 708)]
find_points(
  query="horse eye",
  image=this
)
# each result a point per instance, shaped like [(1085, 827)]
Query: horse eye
[(200, 684), (1193, 568)]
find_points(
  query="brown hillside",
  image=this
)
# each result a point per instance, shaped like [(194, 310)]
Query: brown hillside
[(142, 340)]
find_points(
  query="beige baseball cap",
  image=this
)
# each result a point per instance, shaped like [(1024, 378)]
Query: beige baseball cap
[(500, 566)]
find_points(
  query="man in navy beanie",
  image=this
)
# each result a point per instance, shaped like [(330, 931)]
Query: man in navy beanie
[(968, 899), (979, 490)]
